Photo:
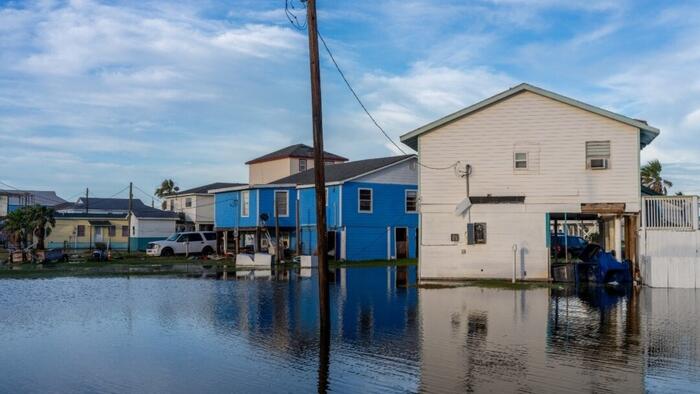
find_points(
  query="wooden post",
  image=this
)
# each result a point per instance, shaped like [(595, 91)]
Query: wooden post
[(319, 169)]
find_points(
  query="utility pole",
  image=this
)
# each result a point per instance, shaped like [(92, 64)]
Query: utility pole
[(319, 169), (128, 217), (87, 200)]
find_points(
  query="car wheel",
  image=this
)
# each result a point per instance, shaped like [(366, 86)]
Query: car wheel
[(207, 251), (167, 252)]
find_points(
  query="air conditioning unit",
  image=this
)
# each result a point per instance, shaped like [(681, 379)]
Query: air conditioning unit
[(598, 164)]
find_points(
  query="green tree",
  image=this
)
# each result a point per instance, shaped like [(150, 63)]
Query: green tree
[(18, 225), (651, 177), (41, 220), (166, 188)]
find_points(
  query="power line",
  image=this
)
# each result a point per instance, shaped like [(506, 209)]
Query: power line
[(147, 194), (119, 192)]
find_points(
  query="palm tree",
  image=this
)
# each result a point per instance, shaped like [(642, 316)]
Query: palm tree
[(18, 225), (651, 177), (166, 188), (42, 221)]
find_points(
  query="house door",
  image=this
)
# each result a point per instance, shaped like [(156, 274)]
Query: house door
[(98, 234), (401, 243), (331, 244)]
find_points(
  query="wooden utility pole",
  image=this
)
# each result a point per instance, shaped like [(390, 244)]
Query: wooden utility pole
[(320, 176), (87, 200), (128, 217)]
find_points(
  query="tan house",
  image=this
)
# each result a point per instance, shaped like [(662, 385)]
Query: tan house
[(195, 206), (498, 176), (285, 162)]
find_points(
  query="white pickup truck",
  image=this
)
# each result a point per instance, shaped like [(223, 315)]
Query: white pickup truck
[(196, 242)]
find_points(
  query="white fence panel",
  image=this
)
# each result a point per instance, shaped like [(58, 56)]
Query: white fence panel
[(670, 258), (670, 213)]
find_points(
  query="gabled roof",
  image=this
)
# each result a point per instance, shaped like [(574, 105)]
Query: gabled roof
[(648, 133), (343, 171), (41, 197), (301, 151), (114, 207), (205, 188)]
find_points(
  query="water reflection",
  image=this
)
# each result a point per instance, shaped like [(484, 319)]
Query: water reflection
[(259, 330)]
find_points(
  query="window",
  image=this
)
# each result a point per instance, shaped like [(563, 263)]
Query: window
[(112, 231), (520, 160), (411, 201), (81, 230), (133, 231), (172, 205), (188, 202), (194, 237), (365, 200), (125, 231), (210, 236), (302, 165), (597, 155), (476, 233), (281, 203), (245, 203)]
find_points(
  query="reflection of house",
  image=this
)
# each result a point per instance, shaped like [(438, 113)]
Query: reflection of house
[(524, 158), (87, 223), (195, 206), (284, 162), (11, 200)]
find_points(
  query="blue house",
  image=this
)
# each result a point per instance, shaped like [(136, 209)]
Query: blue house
[(250, 213), (371, 208)]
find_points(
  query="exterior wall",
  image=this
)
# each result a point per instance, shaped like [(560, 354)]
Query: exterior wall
[(402, 174), (267, 205), (63, 233), (554, 135), (268, 171), (3, 206), (307, 215), (227, 211), (201, 211), (149, 230), (670, 258), (367, 232)]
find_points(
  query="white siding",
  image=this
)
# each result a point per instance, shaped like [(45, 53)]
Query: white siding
[(400, 174), (554, 135), (151, 228), (3, 206)]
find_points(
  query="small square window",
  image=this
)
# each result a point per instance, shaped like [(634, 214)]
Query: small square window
[(188, 202), (112, 231), (520, 160), (476, 233), (411, 201), (81, 230), (302, 165), (365, 200), (125, 231)]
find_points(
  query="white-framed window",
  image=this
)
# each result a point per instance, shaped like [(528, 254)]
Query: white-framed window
[(281, 203), (188, 202), (411, 201), (364, 198), (597, 155), (520, 160), (302, 165), (245, 203)]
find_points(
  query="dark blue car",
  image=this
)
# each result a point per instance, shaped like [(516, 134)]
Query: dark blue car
[(573, 244)]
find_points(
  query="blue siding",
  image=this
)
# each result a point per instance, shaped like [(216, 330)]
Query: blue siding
[(228, 210), (307, 207), (367, 232)]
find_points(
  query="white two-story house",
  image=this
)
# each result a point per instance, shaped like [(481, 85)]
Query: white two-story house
[(195, 206), (496, 177)]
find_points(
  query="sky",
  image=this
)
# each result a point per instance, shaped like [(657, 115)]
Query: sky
[(100, 93)]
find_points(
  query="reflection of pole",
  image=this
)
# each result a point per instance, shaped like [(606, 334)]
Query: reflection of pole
[(324, 350)]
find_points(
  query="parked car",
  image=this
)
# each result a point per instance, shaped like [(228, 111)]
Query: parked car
[(562, 243), (196, 242)]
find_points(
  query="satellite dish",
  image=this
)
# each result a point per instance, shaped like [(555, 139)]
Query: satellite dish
[(464, 206)]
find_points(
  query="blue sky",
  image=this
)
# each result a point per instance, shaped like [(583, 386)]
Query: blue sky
[(97, 94)]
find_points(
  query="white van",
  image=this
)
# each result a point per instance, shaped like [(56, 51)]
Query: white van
[(198, 242)]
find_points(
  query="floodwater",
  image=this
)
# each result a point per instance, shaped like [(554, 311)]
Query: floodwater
[(259, 333)]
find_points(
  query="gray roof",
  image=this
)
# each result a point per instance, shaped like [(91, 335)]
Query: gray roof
[(139, 209), (41, 197), (343, 171), (205, 188), (299, 150), (648, 133)]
